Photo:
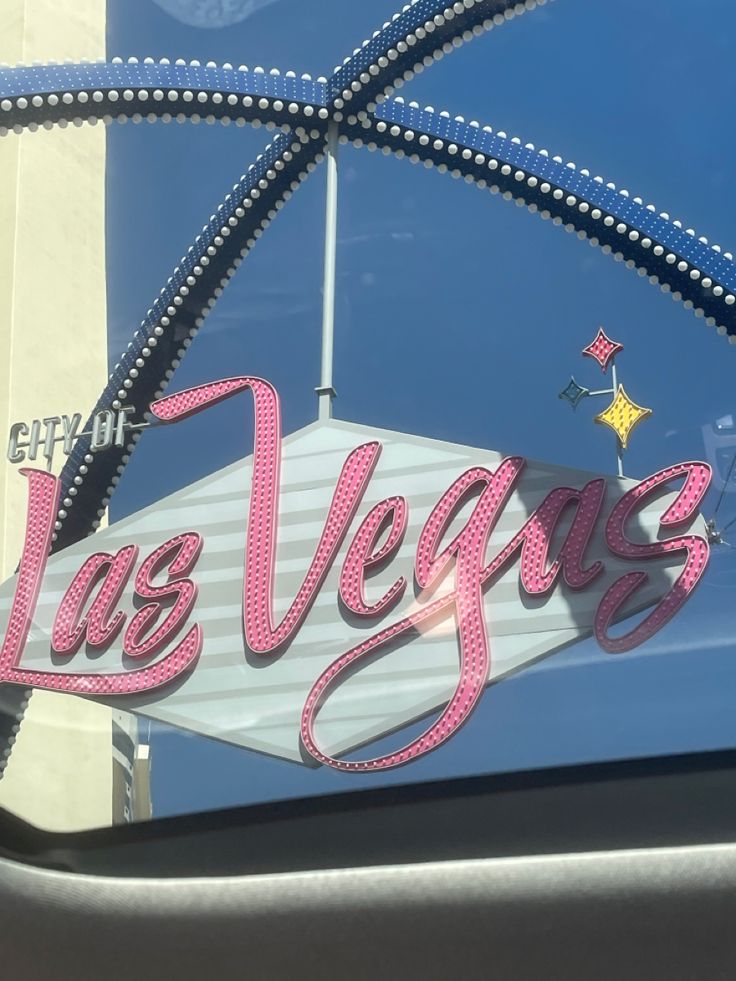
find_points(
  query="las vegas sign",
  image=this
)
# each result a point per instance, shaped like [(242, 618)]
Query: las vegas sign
[(384, 577), (336, 585)]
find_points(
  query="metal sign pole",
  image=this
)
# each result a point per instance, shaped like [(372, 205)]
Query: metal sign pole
[(326, 391)]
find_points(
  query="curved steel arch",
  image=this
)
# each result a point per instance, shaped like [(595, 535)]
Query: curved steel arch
[(355, 97)]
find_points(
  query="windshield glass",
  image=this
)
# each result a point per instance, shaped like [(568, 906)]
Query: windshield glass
[(332, 461)]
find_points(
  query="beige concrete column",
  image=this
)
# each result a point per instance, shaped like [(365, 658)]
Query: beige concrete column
[(53, 360)]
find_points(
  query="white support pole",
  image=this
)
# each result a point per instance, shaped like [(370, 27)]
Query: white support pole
[(326, 391), (619, 447)]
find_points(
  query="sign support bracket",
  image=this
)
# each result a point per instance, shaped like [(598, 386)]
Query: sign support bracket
[(326, 392)]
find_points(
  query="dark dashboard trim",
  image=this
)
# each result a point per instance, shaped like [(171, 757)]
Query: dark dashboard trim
[(670, 801)]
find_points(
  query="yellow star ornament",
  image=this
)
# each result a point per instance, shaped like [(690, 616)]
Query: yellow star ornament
[(623, 416)]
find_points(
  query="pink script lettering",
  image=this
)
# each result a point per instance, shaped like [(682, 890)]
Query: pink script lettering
[(464, 557)]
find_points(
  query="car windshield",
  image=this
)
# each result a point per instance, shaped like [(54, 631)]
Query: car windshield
[(353, 437)]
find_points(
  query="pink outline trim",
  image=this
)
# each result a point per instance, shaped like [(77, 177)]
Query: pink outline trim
[(361, 557), (188, 548), (698, 478), (466, 601), (70, 627), (261, 635), (468, 550), (43, 502)]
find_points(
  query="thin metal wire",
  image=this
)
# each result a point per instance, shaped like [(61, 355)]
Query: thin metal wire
[(730, 523), (723, 490)]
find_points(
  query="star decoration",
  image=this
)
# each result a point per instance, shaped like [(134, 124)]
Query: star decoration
[(623, 416), (603, 349), (574, 393)]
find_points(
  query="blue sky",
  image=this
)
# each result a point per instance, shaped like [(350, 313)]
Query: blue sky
[(459, 316)]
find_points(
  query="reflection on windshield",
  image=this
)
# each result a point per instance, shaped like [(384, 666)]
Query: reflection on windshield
[(259, 620)]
